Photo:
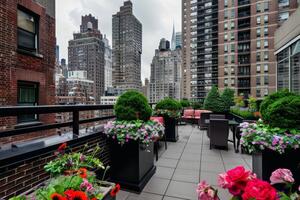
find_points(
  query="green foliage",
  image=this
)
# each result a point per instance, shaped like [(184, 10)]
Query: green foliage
[(269, 100), (285, 112), (197, 105), (246, 114), (133, 105), (168, 104), (228, 98), (214, 102), (239, 101), (252, 104), (185, 103)]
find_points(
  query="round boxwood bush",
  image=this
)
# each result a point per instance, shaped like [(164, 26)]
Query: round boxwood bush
[(269, 100), (132, 105), (168, 104), (214, 102), (185, 103), (285, 112)]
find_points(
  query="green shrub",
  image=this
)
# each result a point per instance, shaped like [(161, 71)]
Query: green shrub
[(228, 98), (132, 105), (185, 103), (214, 102), (269, 100), (197, 105), (246, 114), (239, 101), (168, 104), (252, 104), (285, 112)]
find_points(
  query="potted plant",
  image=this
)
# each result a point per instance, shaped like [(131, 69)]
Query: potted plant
[(170, 110), (130, 139), (71, 178), (244, 185), (275, 140)]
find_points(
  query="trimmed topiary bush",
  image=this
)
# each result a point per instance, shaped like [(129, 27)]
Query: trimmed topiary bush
[(285, 112), (197, 105), (185, 103), (168, 104), (269, 100), (132, 105), (228, 98), (214, 102)]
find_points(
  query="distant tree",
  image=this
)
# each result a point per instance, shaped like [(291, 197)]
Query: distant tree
[(214, 102), (228, 98)]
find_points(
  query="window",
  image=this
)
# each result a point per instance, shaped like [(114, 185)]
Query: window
[(266, 43), (266, 67), (226, 59), (27, 96), (258, 44), (225, 14), (232, 35), (283, 3), (225, 3), (232, 13), (258, 7), (258, 80), (232, 81), (232, 25), (266, 19), (225, 26), (258, 32), (266, 31), (266, 80), (258, 68), (258, 93), (232, 58), (266, 6), (225, 36), (232, 48), (283, 16), (27, 31), (258, 20), (266, 56), (225, 48), (258, 56)]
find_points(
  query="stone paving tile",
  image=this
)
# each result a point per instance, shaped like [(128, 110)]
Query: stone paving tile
[(181, 167)]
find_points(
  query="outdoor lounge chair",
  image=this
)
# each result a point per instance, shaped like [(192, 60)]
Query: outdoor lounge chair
[(219, 132)]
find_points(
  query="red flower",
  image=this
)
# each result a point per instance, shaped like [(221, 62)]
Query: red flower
[(82, 172), (62, 147), (57, 196), (94, 198), (69, 193), (115, 190), (79, 195), (259, 190)]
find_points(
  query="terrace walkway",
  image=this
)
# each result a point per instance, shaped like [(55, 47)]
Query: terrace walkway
[(181, 167)]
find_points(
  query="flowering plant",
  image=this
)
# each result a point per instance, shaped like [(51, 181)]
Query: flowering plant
[(124, 131), (244, 185), (168, 113), (259, 136), (72, 162)]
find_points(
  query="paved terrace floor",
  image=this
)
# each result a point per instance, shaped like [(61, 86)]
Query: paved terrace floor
[(181, 167)]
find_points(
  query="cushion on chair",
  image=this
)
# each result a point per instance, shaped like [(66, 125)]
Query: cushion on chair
[(188, 114), (157, 119)]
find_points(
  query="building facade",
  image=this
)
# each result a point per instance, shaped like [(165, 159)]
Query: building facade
[(27, 61), (165, 80), (178, 40), (108, 63), (246, 44), (287, 50), (86, 53), (126, 49), (146, 89)]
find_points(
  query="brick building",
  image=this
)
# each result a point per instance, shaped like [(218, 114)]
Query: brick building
[(27, 60)]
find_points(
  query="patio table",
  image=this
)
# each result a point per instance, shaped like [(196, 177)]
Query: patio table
[(232, 124)]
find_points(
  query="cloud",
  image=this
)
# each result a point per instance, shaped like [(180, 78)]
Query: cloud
[(157, 17)]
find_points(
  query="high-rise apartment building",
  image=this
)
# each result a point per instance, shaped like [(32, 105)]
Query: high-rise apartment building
[(165, 80), (178, 40), (246, 44), (126, 49), (200, 47), (86, 53), (108, 63)]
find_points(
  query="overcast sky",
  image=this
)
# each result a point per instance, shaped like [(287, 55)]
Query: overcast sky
[(157, 17)]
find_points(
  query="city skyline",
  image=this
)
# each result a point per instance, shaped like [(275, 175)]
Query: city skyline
[(155, 26)]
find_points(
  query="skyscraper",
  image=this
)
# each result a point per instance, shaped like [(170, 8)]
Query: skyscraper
[(165, 80), (246, 44), (173, 39), (86, 53), (108, 63), (178, 40), (126, 49)]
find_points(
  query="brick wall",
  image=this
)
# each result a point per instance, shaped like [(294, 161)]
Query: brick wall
[(16, 66), (20, 173)]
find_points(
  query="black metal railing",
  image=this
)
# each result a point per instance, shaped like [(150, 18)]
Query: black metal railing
[(13, 111)]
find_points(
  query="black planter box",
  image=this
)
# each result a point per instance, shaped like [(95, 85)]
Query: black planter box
[(171, 129), (132, 165), (267, 161)]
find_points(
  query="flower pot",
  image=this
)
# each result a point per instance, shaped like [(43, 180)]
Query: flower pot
[(132, 164), (171, 129), (267, 161)]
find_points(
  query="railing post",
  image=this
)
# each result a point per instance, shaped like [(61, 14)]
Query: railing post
[(75, 124)]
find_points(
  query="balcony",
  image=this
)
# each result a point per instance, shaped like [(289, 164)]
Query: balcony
[(243, 2), (179, 168)]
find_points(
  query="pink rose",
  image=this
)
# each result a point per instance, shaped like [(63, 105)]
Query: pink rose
[(206, 192), (282, 176)]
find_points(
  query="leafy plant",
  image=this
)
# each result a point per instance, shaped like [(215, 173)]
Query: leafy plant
[(185, 103), (168, 107), (197, 105), (246, 114), (269, 100), (132, 105), (73, 161), (252, 104), (228, 98), (214, 102), (124, 131), (239, 101)]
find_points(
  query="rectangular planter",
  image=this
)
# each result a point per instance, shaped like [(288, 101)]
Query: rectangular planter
[(132, 165), (171, 129), (267, 161)]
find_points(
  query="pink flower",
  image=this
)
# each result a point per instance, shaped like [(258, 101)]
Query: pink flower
[(282, 176), (223, 180), (206, 192), (88, 187)]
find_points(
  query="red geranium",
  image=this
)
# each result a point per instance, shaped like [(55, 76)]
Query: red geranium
[(57, 196), (115, 190), (259, 190), (62, 147), (76, 195), (82, 172)]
